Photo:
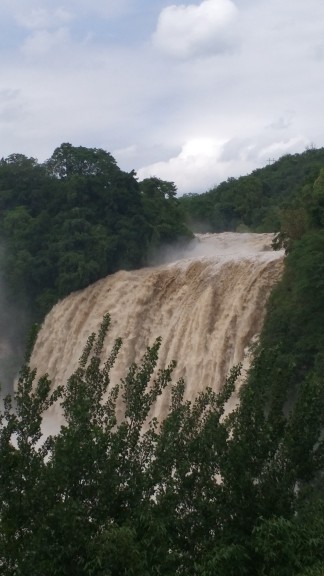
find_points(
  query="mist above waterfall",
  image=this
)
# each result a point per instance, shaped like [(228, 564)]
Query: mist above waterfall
[(225, 244), (13, 326)]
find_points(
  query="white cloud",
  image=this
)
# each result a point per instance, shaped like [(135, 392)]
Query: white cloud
[(125, 153), (287, 146), (41, 42), (205, 162), (40, 18), (35, 12), (103, 8), (283, 122), (72, 70), (11, 107), (192, 169), (188, 30)]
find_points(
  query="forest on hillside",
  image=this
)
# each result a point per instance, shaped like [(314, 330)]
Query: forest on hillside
[(76, 218), (199, 494), (255, 202)]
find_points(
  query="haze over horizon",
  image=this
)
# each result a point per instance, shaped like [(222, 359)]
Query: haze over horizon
[(192, 92)]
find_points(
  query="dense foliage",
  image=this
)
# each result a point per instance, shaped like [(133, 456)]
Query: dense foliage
[(254, 202), (199, 494), (76, 218), (295, 318)]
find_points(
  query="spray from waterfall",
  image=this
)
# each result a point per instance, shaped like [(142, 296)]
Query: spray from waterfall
[(13, 327)]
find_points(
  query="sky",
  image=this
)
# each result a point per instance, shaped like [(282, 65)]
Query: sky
[(191, 92)]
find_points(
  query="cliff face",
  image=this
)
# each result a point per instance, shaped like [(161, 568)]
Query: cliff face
[(208, 306)]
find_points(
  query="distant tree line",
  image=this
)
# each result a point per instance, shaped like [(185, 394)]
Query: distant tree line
[(254, 202)]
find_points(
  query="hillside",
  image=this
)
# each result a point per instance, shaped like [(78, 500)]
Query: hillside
[(201, 492), (255, 201)]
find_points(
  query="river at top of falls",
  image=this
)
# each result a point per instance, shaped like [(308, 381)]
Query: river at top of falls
[(208, 306)]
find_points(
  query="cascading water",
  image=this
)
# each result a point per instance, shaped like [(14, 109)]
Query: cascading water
[(208, 306)]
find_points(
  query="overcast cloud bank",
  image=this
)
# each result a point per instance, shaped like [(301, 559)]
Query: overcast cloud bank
[(191, 92)]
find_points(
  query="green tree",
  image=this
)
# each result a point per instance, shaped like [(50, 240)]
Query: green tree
[(163, 212), (68, 161), (77, 218), (200, 493)]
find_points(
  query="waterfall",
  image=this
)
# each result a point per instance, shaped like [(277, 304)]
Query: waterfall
[(207, 305)]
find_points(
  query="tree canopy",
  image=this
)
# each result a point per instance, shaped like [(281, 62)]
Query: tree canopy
[(254, 202), (200, 493), (76, 218)]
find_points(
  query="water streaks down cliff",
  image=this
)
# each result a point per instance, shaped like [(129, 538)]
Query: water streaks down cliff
[(208, 306)]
